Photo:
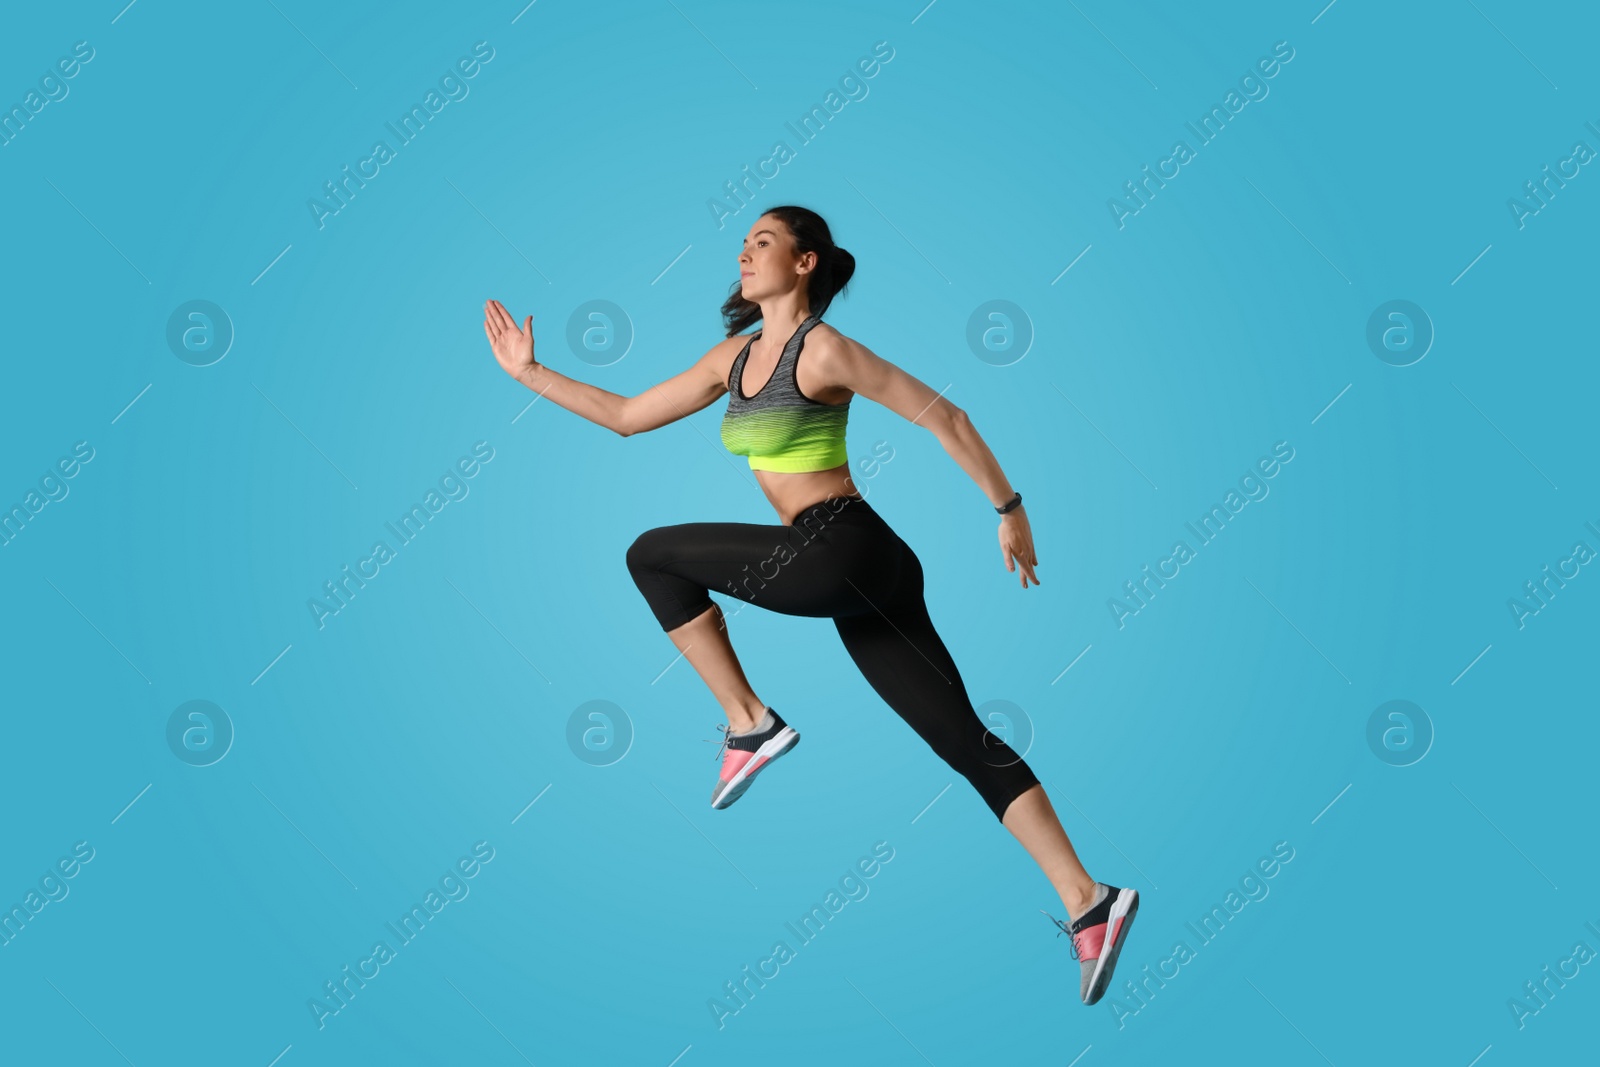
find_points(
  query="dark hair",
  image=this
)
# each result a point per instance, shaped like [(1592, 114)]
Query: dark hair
[(832, 273)]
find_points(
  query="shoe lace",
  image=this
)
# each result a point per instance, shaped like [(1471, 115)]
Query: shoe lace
[(1065, 929), (722, 745)]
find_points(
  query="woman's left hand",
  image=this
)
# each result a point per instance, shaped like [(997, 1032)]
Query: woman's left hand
[(1016, 545)]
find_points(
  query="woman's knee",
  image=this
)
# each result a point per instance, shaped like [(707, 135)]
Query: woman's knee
[(992, 767), (998, 780), (647, 552)]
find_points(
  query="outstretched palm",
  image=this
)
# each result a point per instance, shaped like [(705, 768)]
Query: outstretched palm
[(513, 347)]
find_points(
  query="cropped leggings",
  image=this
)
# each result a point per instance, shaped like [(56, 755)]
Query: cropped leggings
[(839, 560)]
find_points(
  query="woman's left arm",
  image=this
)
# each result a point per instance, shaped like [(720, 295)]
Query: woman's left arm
[(856, 367)]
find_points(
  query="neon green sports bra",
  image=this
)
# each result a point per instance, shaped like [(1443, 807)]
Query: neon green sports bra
[(780, 428)]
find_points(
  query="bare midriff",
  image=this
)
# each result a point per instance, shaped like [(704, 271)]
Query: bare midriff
[(790, 494)]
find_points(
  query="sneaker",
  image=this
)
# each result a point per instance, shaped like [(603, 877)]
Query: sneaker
[(1098, 934), (745, 755)]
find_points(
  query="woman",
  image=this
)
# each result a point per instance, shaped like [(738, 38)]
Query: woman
[(832, 556)]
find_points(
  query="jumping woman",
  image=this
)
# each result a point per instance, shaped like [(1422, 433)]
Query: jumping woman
[(831, 555)]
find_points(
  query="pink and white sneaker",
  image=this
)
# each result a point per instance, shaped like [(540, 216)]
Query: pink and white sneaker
[(746, 755), (1097, 936)]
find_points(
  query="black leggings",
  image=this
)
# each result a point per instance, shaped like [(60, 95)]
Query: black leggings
[(841, 561)]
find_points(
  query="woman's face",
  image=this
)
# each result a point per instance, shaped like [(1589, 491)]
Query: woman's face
[(767, 262)]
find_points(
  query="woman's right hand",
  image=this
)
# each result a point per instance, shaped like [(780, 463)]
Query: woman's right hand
[(513, 347)]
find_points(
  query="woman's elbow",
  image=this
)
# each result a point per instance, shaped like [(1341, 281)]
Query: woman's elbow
[(947, 418), (622, 422)]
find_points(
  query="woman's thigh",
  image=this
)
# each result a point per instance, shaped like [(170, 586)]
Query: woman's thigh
[(821, 571)]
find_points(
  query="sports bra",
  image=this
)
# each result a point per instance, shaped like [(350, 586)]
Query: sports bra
[(780, 428)]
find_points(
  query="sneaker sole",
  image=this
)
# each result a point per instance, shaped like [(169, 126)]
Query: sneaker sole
[(1125, 907), (771, 749)]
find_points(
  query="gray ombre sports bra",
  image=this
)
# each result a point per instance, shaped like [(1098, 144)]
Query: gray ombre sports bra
[(780, 428)]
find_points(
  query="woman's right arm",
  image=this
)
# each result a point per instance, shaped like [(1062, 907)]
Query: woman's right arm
[(675, 398)]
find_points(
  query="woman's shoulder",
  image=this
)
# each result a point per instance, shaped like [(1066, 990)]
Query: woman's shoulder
[(824, 337), (826, 329), (727, 350)]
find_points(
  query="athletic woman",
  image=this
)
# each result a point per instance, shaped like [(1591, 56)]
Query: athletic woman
[(831, 555)]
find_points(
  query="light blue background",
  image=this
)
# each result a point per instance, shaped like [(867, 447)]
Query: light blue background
[(1225, 717)]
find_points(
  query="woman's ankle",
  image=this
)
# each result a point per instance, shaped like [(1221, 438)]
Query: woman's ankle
[(1078, 899), (744, 718)]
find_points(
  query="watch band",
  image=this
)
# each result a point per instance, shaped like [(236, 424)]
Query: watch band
[(1010, 504)]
